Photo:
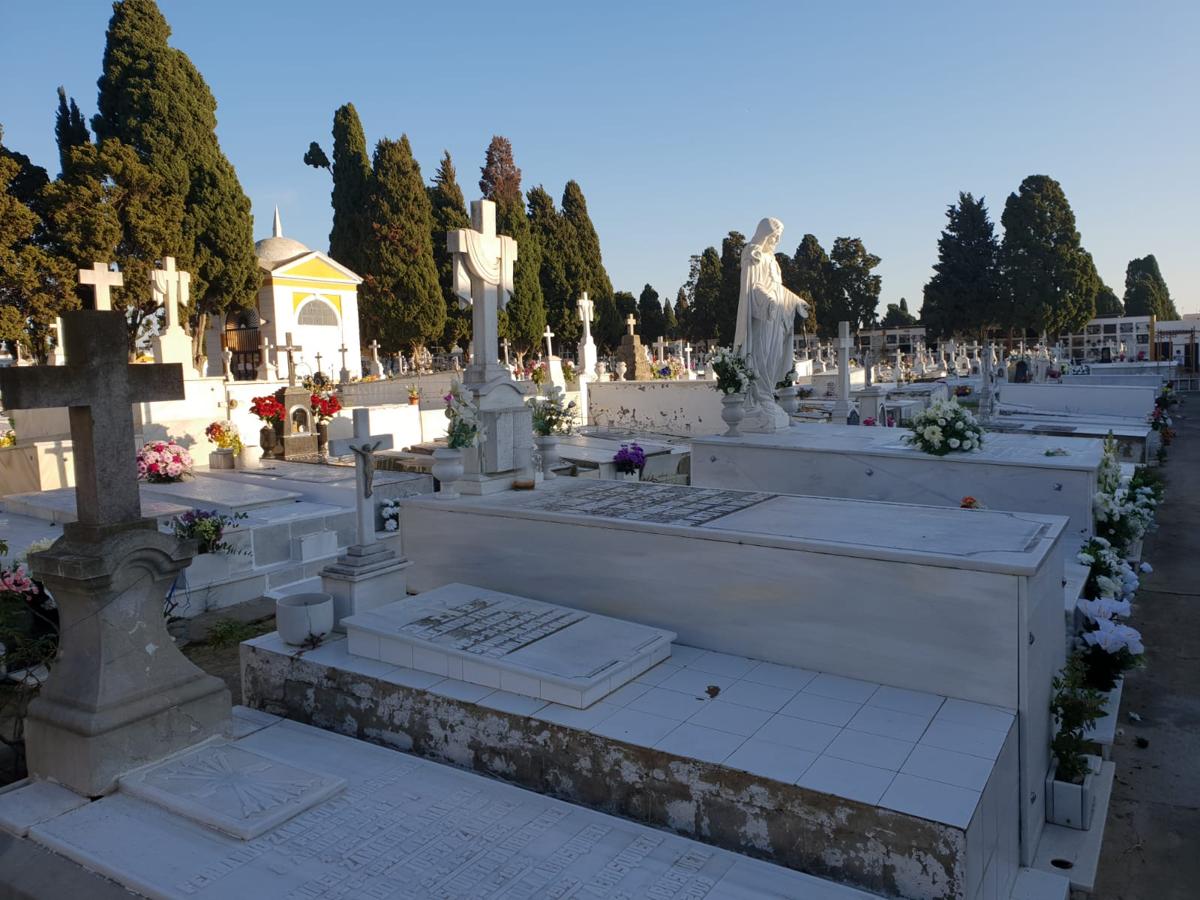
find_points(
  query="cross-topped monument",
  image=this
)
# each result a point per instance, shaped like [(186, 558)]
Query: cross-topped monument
[(483, 279), (344, 374), (587, 347), (841, 405), (102, 280), (170, 289), (660, 349), (376, 366), (631, 323), (318, 358), (289, 349), (549, 336)]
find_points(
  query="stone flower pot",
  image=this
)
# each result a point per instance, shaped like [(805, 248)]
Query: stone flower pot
[(547, 445), (221, 458), (1067, 804), (267, 440), (789, 399), (447, 469), (322, 436), (733, 410), (301, 616)]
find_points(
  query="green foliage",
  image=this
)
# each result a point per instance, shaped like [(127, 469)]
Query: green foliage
[(402, 303), (652, 321), (231, 632), (706, 296), (585, 266), (626, 305), (314, 156), (683, 314), (731, 281), (70, 130), (449, 212), (963, 296), (809, 276), (500, 179), (154, 100), (854, 291), (559, 252), (670, 322), (1074, 708), (1048, 278), (1107, 303), (351, 234), (898, 316), (1146, 292)]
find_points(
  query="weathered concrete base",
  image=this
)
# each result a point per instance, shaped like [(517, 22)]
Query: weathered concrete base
[(856, 843)]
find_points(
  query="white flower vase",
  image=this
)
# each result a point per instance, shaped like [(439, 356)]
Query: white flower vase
[(448, 470), (789, 399), (629, 476), (300, 618), (547, 445), (1067, 804), (733, 410)]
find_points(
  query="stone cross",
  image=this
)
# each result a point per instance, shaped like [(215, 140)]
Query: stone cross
[(174, 286), (344, 374), (841, 405), (102, 281), (266, 371), (364, 470), (482, 263), (504, 343), (585, 307), (687, 355), (289, 349), (99, 388), (548, 335), (631, 322), (319, 364), (227, 359), (660, 347)]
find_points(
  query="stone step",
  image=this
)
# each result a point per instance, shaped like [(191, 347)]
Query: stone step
[(1032, 884), (510, 643)]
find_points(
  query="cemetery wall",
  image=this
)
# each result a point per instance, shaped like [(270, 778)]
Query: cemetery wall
[(36, 466), (665, 407), (1081, 399)]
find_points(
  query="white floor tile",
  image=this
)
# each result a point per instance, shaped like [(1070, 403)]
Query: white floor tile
[(723, 664), (931, 800), (870, 749), (682, 655), (460, 690), (948, 766), (410, 678), (698, 742), (731, 717), (821, 709), (982, 742), (840, 688), (635, 727), (693, 681), (583, 719), (977, 715), (799, 733), (846, 779), (757, 696), (623, 695), (771, 760), (917, 703), (668, 704), (889, 723), (516, 704), (659, 673), (779, 676)]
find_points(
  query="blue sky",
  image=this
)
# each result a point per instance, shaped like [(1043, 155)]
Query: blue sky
[(684, 120)]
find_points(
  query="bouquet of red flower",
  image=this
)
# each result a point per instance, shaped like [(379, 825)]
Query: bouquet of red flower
[(268, 409), (325, 406)]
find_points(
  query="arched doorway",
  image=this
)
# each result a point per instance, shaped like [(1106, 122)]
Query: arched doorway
[(241, 337)]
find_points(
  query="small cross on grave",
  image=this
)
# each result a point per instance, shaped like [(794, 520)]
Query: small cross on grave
[(631, 322), (171, 287), (376, 367), (344, 374), (660, 348), (289, 349), (102, 281), (548, 335), (504, 343), (318, 358), (363, 445)]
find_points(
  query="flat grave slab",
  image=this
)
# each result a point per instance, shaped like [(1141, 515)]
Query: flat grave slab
[(508, 642), (405, 827), (205, 492), (58, 506)]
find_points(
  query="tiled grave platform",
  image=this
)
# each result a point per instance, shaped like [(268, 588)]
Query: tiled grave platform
[(499, 640), (901, 792), (400, 827), (58, 506), (330, 483)]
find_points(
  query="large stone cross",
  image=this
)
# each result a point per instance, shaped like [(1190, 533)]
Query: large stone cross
[(841, 405), (344, 374), (549, 336), (585, 307), (483, 279), (99, 387), (631, 322), (660, 347), (289, 349), (174, 287), (102, 281)]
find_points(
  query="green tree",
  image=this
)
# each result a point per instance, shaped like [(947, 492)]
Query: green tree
[(1044, 269), (808, 276), (449, 212), (854, 291), (731, 282), (652, 321), (402, 302), (626, 305), (500, 180), (558, 258), (670, 322), (70, 129), (1146, 292), (706, 296), (154, 100), (683, 314), (1108, 304), (350, 233), (585, 266), (898, 316), (963, 296)]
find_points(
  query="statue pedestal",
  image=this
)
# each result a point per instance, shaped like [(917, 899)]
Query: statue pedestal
[(365, 577), (505, 453), (120, 694), (633, 355), (764, 419)]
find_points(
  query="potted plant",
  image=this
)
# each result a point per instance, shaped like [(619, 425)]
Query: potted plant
[(325, 405), (1075, 707), (163, 462), (208, 528), (551, 418), (733, 381), (464, 431), (629, 462), (229, 444), (945, 427), (414, 395), (303, 620), (270, 411)]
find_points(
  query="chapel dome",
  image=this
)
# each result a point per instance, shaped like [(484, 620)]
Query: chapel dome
[(277, 248)]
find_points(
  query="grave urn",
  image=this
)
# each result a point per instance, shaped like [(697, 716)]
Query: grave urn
[(267, 440), (322, 436), (447, 469), (302, 617), (789, 399), (547, 445), (733, 410), (1069, 804), (221, 458)]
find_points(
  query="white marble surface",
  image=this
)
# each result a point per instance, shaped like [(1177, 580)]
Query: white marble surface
[(503, 641), (205, 492), (407, 827), (1104, 399), (28, 803)]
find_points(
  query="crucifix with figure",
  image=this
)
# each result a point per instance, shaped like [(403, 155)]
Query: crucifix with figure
[(483, 279), (289, 349), (102, 281)]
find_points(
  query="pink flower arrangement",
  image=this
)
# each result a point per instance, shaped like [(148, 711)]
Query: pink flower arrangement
[(163, 461), (17, 581)]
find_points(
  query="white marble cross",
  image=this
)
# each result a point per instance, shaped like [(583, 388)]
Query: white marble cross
[(841, 405), (483, 278), (171, 289), (505, 345), (344, 375), (102, 281), (585, 307), (660, 347), (363, 447), (374, 345), (631, 321), (548, 335), (289, 349), (266, 371)]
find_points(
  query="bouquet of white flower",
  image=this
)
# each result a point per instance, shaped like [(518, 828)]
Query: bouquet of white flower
[(945, 427), (732, 371)]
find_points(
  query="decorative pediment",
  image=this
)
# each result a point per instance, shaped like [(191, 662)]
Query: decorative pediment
[(315, 266)]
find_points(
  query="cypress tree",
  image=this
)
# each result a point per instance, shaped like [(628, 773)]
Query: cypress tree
[(683, 315), (854, 293), (1044, 269), (670, 322), (1146, 292), (500, 180), (558, 249), (652, 320), (898, 316), (963, 296), (70, 130), (402, 300), (350, 234), (707, 296), (626, 306), (1108, 304), (585, 266), (155, 101), (449, 212), (731, 280), (808, 276)]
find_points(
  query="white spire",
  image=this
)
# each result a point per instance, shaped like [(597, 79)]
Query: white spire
[(277, 231)]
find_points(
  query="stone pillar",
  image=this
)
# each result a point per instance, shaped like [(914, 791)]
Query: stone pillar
[(841, 406)]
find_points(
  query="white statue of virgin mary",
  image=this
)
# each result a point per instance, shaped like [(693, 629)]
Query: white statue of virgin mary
[(765, 322)]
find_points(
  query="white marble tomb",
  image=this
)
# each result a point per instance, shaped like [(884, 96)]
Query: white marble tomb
[(1080, 399)]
